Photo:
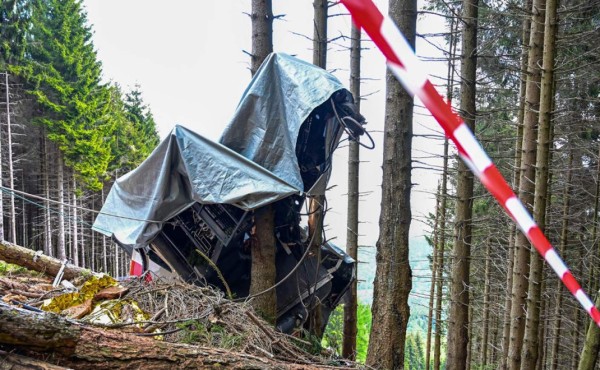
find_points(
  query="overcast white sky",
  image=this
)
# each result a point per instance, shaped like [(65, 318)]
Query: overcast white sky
[(187, 57)]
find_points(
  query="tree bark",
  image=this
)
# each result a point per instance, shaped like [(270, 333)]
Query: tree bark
[(434, 268), (11, 174), (46, 184), (262, 33), (263, 268), (437, 342), (316, 203), (486, 307), (62, 252), (458, 319), (564, 240), (351, 306), (320, 33), (531, 340), (591, 346), (526, 185), (83, 347), (75, 231), (27, 258), (516, 184), (393, 277), (11, 361), (263, 264)]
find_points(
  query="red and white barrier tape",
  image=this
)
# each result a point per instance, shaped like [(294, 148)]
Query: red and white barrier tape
[(410, 71)]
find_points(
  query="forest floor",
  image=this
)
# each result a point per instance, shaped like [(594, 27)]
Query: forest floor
[(93, 321)]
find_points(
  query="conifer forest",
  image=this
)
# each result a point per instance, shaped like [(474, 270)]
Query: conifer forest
[(471, 293)]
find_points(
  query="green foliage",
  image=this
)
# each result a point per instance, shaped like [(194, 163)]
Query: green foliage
[(136, 135), (335, 331), (47, 43), (414, 352), (13, 27)]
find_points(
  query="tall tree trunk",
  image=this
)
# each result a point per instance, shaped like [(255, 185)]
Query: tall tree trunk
[(93, 237), (316, 203), (486, 307), (437, 343), (458, 319), (516, 184), (526, 185), (437, 340), (351, 306), (393, 277), (75, 231), (263, 270), (531, 340), (11, 171), (320, 33), (434, 267), (591, 346), (104, 247), (2, 236), (564, 240), (262, 33), (263, 258), (62, 252)]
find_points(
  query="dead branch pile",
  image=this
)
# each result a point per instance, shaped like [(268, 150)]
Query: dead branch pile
[(184, 313), (177, 314)]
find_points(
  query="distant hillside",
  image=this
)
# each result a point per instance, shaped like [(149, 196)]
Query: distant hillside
[(420, 252)]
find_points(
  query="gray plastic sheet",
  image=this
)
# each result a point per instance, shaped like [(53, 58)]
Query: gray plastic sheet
[(185, 168), (254, 163), (283, 93)]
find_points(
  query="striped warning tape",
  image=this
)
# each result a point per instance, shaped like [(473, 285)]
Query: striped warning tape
[(410, 71)]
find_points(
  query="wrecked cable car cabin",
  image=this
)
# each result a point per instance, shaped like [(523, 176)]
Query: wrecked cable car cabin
[(187, 210)]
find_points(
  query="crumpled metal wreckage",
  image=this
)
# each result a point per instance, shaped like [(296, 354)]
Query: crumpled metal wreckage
[(193, 199)]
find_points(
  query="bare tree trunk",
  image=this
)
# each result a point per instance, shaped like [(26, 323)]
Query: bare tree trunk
[(104, 247), (516, 184), (11, 173), (2, 236), (458, 319), (75, 231), (263, 268), (393, 277), (60, 186), (437, 343), (93, 237), (564, 240), (434, 263), (263, 257), (526, 185), (486, 307), (262, 33), (351, 307), (320, 33), (531, 339), (26, 257), (316, 203), (591, 346), (48, 250)]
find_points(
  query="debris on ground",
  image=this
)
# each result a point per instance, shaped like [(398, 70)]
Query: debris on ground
[(158, 315)]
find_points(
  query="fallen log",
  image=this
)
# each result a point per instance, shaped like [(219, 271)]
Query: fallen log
[(35, 261), (78, 346), (12, 361)]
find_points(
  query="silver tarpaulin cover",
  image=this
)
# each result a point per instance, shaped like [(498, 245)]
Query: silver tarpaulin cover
[(187, 168), (283, 93)]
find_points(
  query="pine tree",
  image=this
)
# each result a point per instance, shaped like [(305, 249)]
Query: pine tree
[(64, 74)]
